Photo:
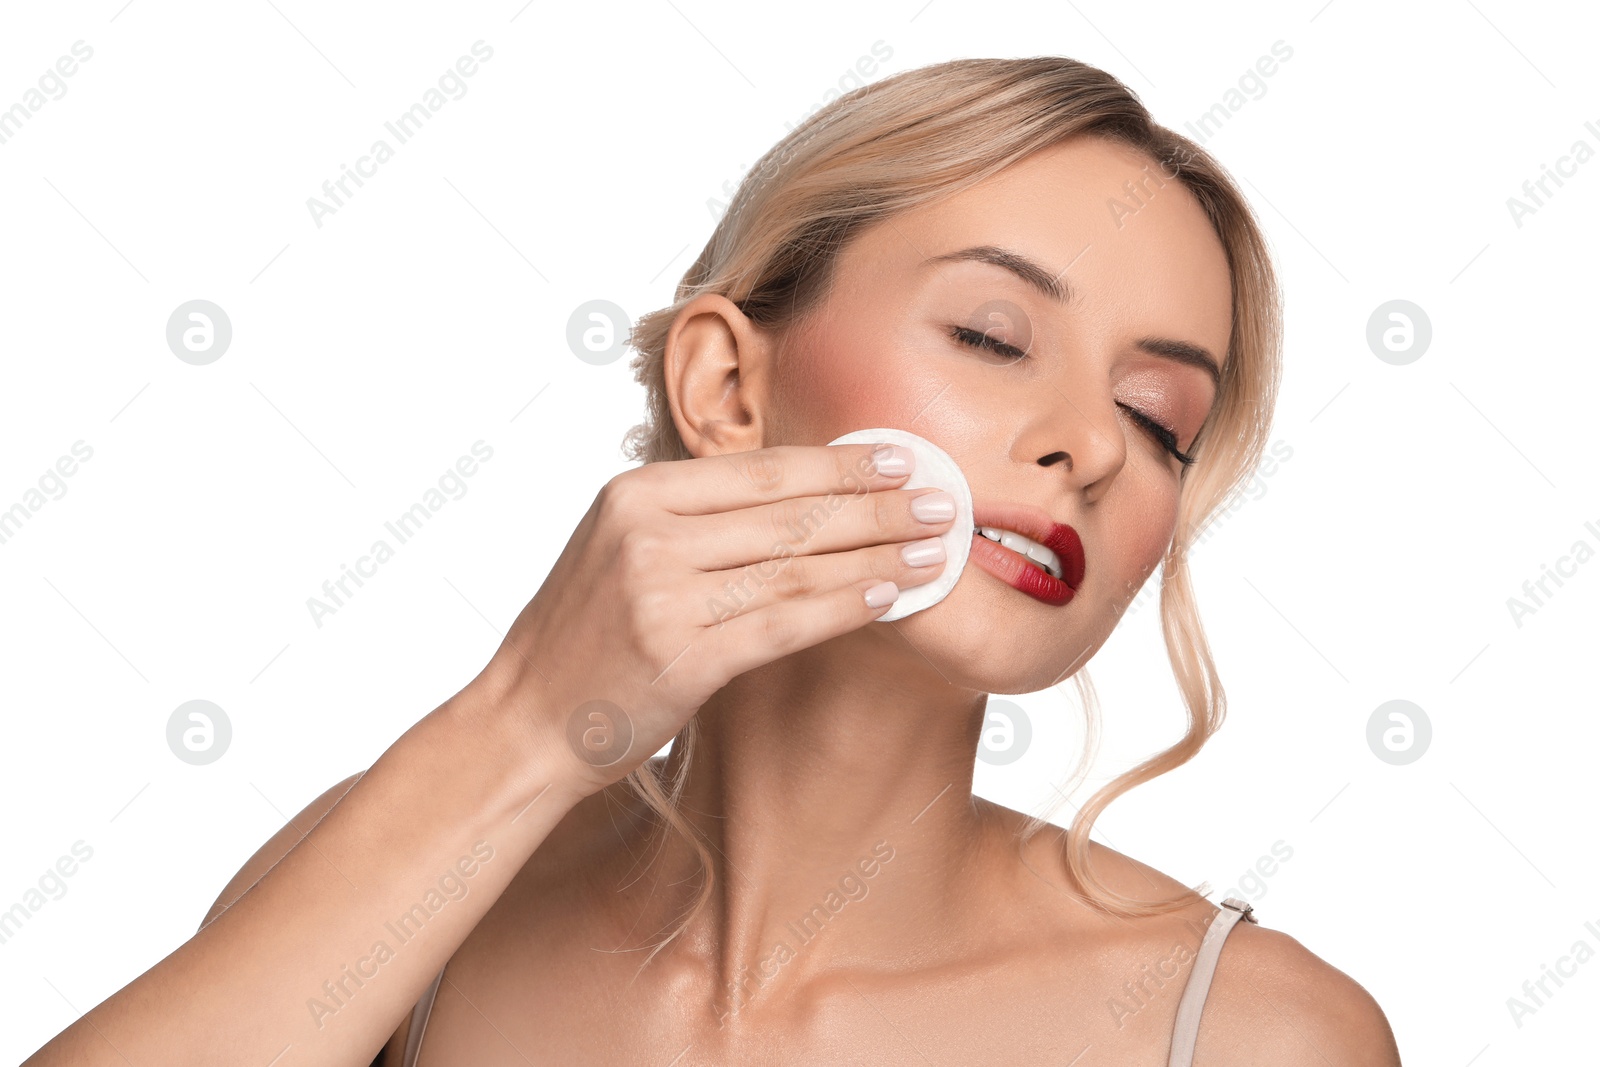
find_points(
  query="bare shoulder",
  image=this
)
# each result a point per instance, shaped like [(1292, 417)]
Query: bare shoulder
[(1274, 1001)]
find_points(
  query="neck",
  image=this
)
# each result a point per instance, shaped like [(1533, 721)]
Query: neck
[(836, 803)]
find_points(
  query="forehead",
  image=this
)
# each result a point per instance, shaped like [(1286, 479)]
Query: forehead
[(1132, 245)]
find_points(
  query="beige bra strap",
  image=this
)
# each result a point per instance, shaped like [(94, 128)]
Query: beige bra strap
[(419, 1022), (1187, 1028)]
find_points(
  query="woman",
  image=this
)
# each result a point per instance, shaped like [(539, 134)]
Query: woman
[(1009, 259)]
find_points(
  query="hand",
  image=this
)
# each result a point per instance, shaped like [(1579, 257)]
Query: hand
[(683, 575)]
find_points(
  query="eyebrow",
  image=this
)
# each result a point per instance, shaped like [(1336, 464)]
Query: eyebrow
[(1017, 264), (1049, 284)]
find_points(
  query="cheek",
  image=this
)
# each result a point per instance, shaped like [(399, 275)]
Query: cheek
[(835, 379), (1140, 533)]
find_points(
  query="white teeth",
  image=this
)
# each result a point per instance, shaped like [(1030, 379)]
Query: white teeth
[(1028, 547)]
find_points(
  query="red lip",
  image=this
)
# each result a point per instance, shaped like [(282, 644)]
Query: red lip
[(1009, 567)]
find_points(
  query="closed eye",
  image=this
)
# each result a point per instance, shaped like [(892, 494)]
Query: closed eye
[(978, 339), (1163, 434)]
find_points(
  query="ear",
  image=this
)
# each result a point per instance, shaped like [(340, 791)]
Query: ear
[(715, 363)]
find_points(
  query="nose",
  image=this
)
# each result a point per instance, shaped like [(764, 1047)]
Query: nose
[(1088, 452)]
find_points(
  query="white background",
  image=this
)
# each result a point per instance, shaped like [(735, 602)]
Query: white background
[(368, 354)]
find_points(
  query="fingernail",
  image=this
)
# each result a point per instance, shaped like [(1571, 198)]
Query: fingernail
[(882, 595), (892, 460), (934, 507), (923, 553)]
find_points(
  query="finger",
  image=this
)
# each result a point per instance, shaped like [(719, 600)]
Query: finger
[(726, 594), (759, 637), (808, 525), (732, 480)]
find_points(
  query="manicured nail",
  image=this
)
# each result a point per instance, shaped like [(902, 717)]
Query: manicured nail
[(934, 507), (923, 553), (882, 595), (892, 460)]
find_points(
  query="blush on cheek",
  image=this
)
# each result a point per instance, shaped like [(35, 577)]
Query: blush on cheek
[(873, 401), (1141, 538), (830, 385)]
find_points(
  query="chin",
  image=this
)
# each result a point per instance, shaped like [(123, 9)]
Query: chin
[(989, 649)]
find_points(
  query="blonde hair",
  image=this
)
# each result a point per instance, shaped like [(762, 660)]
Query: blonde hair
[(907, 141)]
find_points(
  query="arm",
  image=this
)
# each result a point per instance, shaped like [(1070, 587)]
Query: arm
[(323, 952), (276, 847), (324, 941)]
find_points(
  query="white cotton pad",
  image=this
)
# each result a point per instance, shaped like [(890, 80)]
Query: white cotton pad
[(933, 469)]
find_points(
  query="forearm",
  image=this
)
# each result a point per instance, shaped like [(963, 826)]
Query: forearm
[(329, 948)]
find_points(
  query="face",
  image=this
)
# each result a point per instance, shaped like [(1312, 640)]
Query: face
[(1001, 374)]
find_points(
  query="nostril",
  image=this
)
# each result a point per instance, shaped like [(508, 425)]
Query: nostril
[(1055, 457)]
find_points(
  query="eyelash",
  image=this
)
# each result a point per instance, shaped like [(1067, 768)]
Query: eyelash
[(1167, 439)]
